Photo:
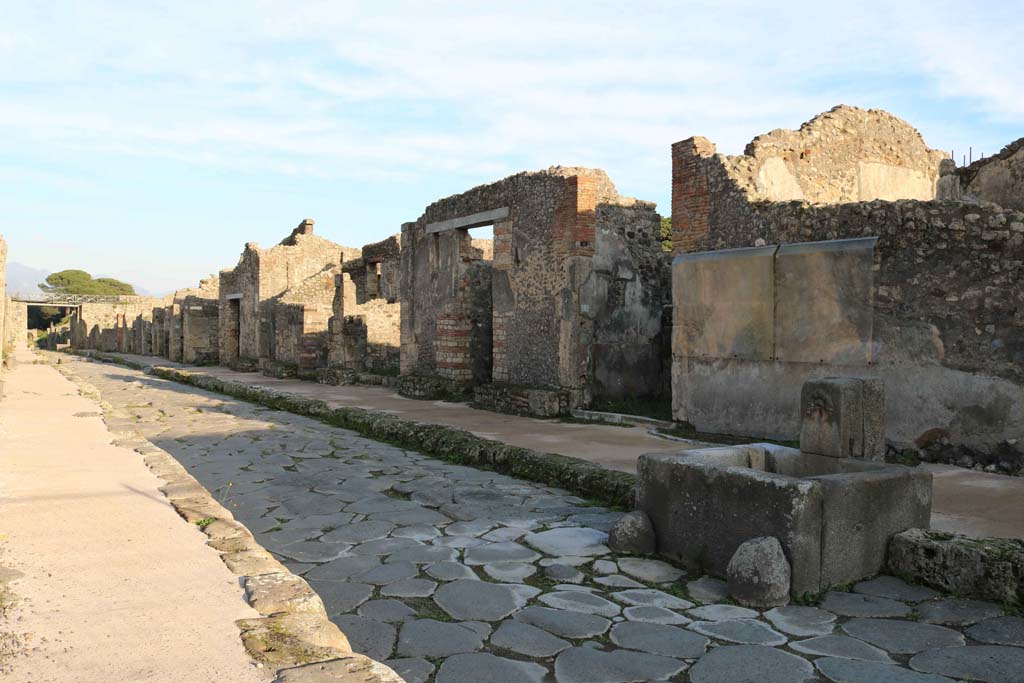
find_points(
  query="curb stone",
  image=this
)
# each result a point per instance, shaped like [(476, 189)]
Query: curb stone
[(293, 635)]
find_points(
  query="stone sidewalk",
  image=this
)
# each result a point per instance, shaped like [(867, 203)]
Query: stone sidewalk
[(967, 502), (456, 575), (114, 585)]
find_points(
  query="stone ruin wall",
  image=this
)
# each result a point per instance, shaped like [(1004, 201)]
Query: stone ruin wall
[(300, 320), (577, 288), (998, 179), (247, 312), (365, 327), (110, 326), (949, 292)]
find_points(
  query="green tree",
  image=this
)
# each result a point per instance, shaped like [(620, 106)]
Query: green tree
[(81, 282), (666, 233)]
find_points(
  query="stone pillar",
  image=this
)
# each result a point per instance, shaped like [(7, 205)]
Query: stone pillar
[(691, 194)]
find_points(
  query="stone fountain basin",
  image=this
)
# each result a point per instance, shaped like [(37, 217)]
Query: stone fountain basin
[(833, 516)]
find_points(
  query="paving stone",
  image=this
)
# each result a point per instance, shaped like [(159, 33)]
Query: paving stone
[(525, 592), (651, 597), (386, 610), (513, 572), (902, 637), (472, 528), (652, 571), (841, 646), (799, 620), (385, 546), (618, 581), (575, 587), (500, 552), (579, 541), (414, 516), (477, 600), (359, 532), (895, 589), (952, 612), (459, 541), (388, 573), (745, 631), (708, 590), (751, 664), (481, 627), (605, 567), (503, 534), (989, 663), (409, 588), (450, 571), (431, 638), (858, 605), (568, 560), (369, 637), (853, 671), (564, 573), (580, 602), (721, 613), (341, 596), (654, 615), (587, 665), (527, 640), (417, 532), (999, 631), (565, 623), (488, 668), (424, 554), (659, 639)]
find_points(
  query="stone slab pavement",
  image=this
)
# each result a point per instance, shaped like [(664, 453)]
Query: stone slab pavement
[(968, 502), (451, 574), (114, 585)]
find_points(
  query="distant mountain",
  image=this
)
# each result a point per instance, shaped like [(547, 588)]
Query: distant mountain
[(22, 279)]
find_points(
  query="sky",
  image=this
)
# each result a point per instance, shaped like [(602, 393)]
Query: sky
[(149, 141)]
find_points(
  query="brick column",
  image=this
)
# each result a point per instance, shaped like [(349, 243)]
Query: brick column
[(691, 195)]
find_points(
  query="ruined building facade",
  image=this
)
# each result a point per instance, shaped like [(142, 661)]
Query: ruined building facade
[(569, 307), (275, 304), (365, 329), (944, 321)]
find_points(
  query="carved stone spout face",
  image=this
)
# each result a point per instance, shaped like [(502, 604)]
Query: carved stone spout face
[(820, 408)]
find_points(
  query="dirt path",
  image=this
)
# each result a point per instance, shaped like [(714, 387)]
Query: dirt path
[(115, 586)]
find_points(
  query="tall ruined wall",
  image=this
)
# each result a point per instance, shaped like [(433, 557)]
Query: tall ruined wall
[(948, 301), (844, 155), (577, 288), (949, 308), (998, 179), (364, 335), (103, 326), (300, 321), (247, 324)]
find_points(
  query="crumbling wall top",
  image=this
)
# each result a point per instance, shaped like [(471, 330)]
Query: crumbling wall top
[(846, 154)]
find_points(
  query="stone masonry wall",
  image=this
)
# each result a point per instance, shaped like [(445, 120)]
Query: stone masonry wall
[(103, 326), (998, 179), (949, 294), (247, 326), (577, 290), (843, 155)]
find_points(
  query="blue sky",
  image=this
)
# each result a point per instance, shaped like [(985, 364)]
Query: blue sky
[(150, 141)]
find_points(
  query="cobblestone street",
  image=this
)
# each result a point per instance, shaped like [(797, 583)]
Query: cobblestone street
[(457, 575)]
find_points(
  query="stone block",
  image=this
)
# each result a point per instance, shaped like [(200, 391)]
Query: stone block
[(843, 417), (824, 302), (832, 421), (724, 305), (832, 516)]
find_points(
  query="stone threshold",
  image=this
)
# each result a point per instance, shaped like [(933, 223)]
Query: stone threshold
[(581, 477), (293, 637)]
